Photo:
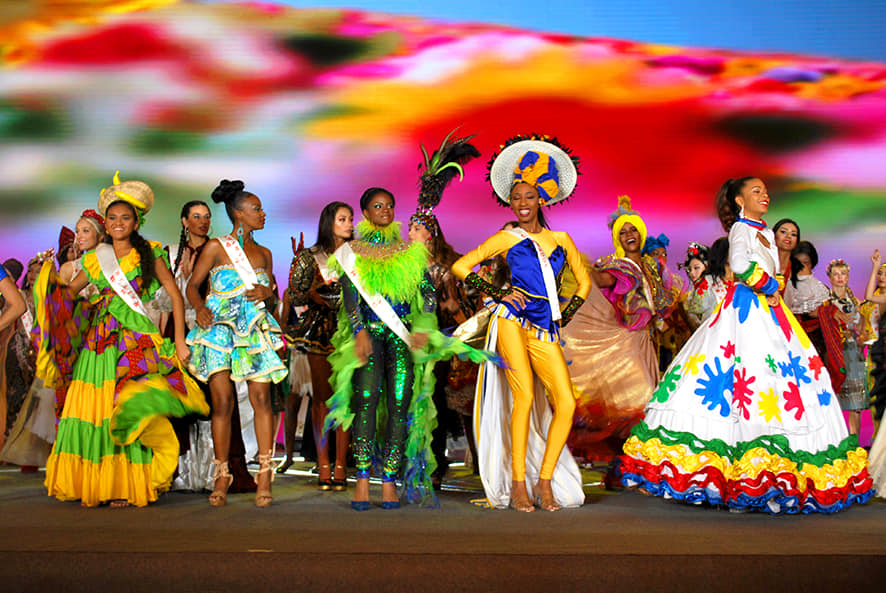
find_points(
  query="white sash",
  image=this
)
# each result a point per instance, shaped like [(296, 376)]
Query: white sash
[(348, 261), (241, 263), (28, 321), (547, 272), (322, 259), (107, 260)]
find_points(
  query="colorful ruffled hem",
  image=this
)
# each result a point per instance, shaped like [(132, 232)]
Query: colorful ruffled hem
[(249, 357), (764, 474)]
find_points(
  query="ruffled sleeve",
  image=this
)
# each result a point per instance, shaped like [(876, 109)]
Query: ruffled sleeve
[(626, 295)]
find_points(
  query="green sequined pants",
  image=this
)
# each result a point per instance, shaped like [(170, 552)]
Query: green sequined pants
[(388, 375)]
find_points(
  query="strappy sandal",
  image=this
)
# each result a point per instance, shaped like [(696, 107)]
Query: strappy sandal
[(324, 483), (340, 485), (219, 498), (263, 497), (545, 500)]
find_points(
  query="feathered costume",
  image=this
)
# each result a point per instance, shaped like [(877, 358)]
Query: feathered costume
[(388, 401)]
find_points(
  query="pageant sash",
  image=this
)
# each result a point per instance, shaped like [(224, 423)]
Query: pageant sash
[(322, 259), (28, 321), (547, 272), (241, 263), (347, 259), (107, 260)]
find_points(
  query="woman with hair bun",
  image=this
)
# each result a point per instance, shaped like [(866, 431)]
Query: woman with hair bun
[(114, 441), (237, 337), (745, 416)]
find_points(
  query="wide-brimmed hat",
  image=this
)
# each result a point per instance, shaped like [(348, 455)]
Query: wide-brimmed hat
[(538, 160), (137, 193)]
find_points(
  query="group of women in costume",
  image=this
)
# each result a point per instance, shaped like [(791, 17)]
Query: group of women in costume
[(747, 415)]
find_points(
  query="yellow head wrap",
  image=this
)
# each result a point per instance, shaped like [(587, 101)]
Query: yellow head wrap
[(622, 216)]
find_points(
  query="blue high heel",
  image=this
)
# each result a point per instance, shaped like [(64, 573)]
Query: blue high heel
[(361, 505), (389, 504)]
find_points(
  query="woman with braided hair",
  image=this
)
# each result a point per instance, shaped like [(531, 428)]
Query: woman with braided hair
[(745, 417), (517, 435), (114, 441)]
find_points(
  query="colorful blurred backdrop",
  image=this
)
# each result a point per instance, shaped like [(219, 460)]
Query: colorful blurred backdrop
[(309, 105)]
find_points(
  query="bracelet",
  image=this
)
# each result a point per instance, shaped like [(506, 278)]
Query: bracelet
[(569, 311), (475, 281)]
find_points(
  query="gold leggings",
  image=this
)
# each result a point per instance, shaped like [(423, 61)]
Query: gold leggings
[(524, 353)]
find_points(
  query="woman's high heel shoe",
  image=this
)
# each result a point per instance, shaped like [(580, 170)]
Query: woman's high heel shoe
[(340, 485), (361, 505), (287, 463), (324, 483), (389, 504), (545, 499), (263, 496), (219, 497)]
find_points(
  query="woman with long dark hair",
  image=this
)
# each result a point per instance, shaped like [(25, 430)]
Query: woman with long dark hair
[(745, 416), (236, 337), (314, 284), (114, 441)]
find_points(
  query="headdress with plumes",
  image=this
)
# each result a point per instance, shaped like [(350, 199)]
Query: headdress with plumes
[(439, 169), (540, 161), (622, 215), (653, 243), (138, 194)]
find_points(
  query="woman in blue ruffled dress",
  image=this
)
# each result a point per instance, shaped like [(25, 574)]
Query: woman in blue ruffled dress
[(237, 337)]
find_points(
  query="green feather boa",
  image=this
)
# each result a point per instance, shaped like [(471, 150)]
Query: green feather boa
[(396, 276)]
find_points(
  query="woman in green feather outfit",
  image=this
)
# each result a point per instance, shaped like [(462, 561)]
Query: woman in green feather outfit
[(385, 346)]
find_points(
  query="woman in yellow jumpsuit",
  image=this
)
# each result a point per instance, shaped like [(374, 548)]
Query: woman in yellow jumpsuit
[(527, 174)]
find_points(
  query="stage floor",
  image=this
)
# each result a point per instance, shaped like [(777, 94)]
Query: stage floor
[(312, 540)]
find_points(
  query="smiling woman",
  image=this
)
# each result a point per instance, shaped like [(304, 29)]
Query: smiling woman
[(114, 441), (530, 172), (612, 343), (745, 416)]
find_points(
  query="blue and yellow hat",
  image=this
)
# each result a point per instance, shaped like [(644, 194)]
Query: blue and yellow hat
[(539, 161)]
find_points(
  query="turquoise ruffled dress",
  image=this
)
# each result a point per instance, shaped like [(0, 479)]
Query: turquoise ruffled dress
[(243, 337)]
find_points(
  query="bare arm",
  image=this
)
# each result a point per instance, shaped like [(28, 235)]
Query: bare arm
[(164, 276), (871, 288), (14, 300), (602, 279), (204, 263)]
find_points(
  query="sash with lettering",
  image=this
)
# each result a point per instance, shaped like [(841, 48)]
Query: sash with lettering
[(241, 263), (107, 260), (347, 259), (27, 321), (547, 273), (112, 272)]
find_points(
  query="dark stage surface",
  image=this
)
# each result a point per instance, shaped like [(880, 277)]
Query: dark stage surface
[(310, 540)]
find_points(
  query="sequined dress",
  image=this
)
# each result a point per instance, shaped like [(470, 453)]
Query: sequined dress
[(312, 331), (745, 416), (243, 336)]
